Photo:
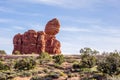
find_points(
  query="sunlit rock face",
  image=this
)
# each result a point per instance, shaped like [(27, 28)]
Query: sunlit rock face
[(52, 27), (32, 42)]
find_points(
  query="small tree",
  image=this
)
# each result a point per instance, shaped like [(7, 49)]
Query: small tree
[(59, 59), (87, 50), (110, 64), (88, 59)]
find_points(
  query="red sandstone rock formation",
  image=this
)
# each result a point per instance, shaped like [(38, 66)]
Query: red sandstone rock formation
[(17, 41), (29, 41), (40, 42), (52, 27), (52, 44), (37, 42)]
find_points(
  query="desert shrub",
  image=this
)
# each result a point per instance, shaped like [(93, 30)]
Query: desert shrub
[(76, 66), (25, 64), (4, 66), (6, 76), (37, 78), (44, 57), (46, 70), (3, 76), (56, 65), (70, 75), (25, 74), (54, 75), (59, 59), (34, 72), (2, 52), (17, 53), (110, 64), (113, 78), (88, 61), (62, 73), (9, 74)]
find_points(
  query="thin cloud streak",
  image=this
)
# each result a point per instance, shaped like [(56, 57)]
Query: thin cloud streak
[(93, 29), (76, 4), (13, 11), (75, 29), (18, 28)]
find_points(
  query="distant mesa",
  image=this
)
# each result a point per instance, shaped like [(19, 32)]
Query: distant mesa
[(32, 42)]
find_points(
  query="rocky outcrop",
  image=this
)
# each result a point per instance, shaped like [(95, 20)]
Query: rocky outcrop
[(52, 44), (32, 42), (29, 41), (40, 42), (17, 41)]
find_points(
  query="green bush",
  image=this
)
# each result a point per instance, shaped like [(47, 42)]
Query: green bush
[(57, 65), (25, 74), (76, 66), (54, 75), (4, 66), (25, 64), (44, 55), (6, 76), (70, 75), (44, 58), (34, 72), (88, 61), (9, 74), (59, 59), (110, 64)]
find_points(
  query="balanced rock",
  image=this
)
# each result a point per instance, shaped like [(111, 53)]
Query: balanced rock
[(52, 27), (32, 42)]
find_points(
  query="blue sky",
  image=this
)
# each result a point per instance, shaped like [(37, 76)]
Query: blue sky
[(84, 23)]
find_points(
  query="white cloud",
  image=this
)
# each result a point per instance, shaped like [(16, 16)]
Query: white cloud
[(109, 30), (74, 29)]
